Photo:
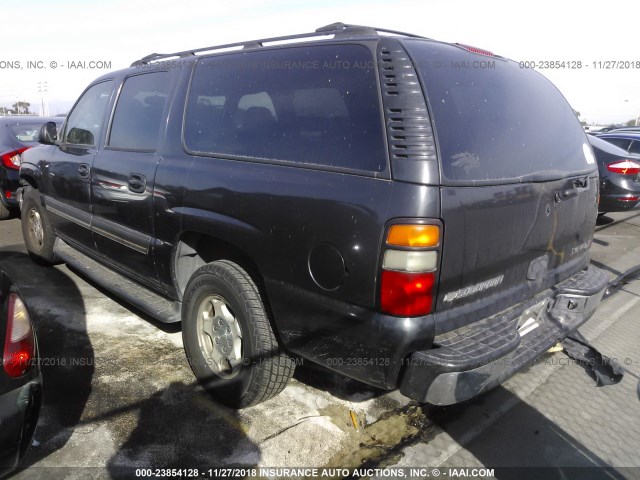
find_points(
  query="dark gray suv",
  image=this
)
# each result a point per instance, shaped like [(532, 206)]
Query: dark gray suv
[(411, 213)]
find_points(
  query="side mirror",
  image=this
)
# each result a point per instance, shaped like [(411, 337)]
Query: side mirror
[(48, 134)]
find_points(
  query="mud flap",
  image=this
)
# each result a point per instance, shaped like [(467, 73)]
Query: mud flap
[(599, 367)]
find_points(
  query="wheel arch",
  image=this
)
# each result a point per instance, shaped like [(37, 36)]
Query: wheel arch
[(194, 249), (29, 175)]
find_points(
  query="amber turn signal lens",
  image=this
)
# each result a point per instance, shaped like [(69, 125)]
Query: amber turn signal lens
[(414, 235)]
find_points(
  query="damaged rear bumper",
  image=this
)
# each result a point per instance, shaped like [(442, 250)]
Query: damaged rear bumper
[(473, 359)]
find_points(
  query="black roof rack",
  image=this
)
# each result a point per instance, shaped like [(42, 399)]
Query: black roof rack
[(335, 29)]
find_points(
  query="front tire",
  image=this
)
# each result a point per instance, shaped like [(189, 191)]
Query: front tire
[(228, 339), (36, 229)]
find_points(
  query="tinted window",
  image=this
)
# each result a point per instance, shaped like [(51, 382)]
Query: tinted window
[(85, 121), (319, 102), (313, 105), (28, 132), (260, 99), (496, 121), (606, 147), (138, 114), (618, 142), (635, 147)]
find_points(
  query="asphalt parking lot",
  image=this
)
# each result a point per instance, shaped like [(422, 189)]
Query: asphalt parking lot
[(119, 395)]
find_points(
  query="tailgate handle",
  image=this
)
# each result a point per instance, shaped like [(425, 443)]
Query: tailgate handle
[(575, 187), (570, 193), (581, 182)]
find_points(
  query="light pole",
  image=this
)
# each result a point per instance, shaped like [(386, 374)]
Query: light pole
[(42, 90)]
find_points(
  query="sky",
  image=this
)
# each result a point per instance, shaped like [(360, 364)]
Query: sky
[(44, 42)]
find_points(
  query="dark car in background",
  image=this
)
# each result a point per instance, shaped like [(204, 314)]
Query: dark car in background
[(17, 134), (622, 129), (602, 130), (619, 177), (20, 378), (627, 140)]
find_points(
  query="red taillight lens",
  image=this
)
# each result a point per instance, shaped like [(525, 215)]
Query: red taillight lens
[(19, 346), (405, 294), (13, 159), (632, 198), (625, 167)]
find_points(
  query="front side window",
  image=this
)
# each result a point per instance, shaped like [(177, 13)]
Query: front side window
[(85, 121), (138, 114), (314, 105)]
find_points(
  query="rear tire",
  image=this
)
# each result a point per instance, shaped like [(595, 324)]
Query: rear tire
[(228, 338), (36, 229)]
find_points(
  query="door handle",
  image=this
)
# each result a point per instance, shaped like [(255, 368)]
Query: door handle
[(83, 170), (137, 183)]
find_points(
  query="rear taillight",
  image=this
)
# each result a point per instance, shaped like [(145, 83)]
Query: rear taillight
[(13, 159), (19, 345), (625, 167), (409, 265)]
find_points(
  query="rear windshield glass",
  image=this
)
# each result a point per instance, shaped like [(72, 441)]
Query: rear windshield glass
[(496, 121)]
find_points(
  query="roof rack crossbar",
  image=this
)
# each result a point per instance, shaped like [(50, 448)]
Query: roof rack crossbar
[(348, 28), (337, 28)]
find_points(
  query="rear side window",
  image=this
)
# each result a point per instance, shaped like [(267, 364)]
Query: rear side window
[(85, 121), (495, 121), (635, 147), (136, 121), (606, 146), (619, 142), (315, 105)]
